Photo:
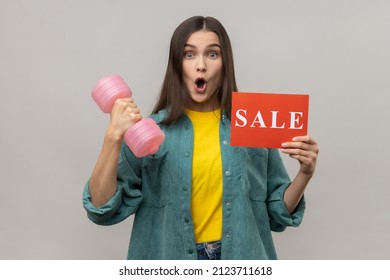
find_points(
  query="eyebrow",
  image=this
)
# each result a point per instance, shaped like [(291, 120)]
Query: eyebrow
[(208, 46)]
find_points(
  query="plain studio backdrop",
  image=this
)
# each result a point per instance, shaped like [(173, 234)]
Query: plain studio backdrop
[(52, 53)]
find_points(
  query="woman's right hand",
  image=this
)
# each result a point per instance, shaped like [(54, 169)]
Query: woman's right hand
[(124, 114), (102, 187)]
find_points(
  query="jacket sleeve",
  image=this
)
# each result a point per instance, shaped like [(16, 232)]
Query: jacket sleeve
[(278, 182), (128, 194)]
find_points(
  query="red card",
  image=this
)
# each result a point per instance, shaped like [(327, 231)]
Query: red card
[(268, 119)]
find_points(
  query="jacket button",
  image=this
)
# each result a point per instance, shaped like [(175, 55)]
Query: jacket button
[(190, 251)]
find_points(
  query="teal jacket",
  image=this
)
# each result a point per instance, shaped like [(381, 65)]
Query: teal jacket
[(157, 189)]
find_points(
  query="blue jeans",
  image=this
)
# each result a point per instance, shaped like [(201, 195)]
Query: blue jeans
[(209, 250)]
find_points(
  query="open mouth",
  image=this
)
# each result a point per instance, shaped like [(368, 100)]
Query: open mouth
[(200, 84)]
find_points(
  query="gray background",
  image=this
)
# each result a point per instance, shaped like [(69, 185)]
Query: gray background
[(53, 52)]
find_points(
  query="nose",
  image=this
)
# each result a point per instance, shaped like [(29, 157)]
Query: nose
[(201, 66), (201, 69)]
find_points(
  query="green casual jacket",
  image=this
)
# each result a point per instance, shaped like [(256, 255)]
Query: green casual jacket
[(157, 189)]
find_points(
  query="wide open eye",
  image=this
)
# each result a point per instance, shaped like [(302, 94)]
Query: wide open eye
[(213, 54), (188, 55)]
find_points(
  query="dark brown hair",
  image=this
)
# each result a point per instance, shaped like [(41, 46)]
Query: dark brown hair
[(174, 95)]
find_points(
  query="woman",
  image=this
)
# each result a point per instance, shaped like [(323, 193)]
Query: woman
[(197, 197)]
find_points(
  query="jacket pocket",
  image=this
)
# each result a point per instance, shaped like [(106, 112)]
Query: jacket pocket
[(156, 181), (254, 173)]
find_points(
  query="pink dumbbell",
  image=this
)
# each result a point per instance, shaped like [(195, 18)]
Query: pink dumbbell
[(144, 137)]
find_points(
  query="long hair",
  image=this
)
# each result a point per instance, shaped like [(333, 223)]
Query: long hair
[(174, 95)]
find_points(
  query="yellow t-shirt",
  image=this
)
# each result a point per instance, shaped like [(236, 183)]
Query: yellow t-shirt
[(206, 200)]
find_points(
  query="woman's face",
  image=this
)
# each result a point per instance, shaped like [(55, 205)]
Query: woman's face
[(202, 70)]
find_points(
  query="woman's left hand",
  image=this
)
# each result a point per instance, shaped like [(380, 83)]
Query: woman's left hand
[(305, 150)]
